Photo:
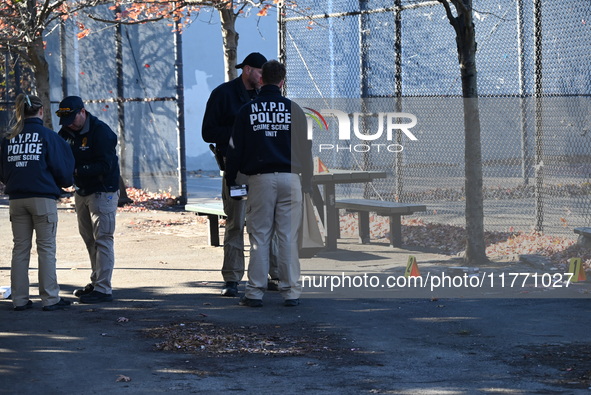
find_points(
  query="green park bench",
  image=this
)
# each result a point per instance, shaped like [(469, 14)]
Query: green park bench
[(393, 210)]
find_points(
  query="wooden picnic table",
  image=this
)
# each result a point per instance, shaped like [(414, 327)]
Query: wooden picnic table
[(325, 202), (327, 206)]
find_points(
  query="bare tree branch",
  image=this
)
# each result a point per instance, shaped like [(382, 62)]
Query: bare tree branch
[(450, 16), (460, 6), (463, 12), (167, 15)]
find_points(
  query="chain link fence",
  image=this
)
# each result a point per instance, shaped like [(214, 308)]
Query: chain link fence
[(14, 79), (372, 59), (129, 76)]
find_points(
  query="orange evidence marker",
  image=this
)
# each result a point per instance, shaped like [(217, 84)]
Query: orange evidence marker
[(575, 266), (412, 268), (320, 167)]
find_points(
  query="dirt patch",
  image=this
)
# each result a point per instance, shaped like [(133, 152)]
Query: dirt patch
[(174, 224), (208, 339)]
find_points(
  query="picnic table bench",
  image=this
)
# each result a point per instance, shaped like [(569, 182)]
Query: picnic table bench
[(584, 236), (214, 211), (393, 210), (325, 203)]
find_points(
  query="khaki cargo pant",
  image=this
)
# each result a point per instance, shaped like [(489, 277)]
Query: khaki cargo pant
[(233, 266), (274, 205), (96, 224), (39, 215)]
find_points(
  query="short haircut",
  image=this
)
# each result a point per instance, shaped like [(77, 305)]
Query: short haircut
[(273, 72)]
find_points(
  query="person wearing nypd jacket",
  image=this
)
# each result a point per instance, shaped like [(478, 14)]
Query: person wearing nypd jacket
[(269, 144), (96, 181), (222, 106), (35, 163)]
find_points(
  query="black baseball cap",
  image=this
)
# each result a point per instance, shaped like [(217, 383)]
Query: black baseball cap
[(69, 108), (254, 59)]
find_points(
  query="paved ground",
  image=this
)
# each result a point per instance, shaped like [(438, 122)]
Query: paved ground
[(515, 339)]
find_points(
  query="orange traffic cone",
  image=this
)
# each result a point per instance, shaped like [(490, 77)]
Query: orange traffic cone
[(412, 268)]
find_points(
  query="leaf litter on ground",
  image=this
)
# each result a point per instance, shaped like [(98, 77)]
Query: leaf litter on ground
[(443, 238), (207, 338), (451, 240)]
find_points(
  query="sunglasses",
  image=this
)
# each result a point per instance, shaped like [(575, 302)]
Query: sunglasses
[(64, 112)]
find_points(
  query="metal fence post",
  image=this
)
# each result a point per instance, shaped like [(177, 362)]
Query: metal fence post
[(363, 72), (120, 94), (180, 105), (281, 39), (538, 97), (525, 157), (398, 94)]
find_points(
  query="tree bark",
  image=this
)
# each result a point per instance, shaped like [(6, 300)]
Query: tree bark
[(466, 44), (230, 41), (36, 54)]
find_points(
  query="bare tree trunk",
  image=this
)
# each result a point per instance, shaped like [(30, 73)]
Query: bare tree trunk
[(466, 43), (475, 246), (36, 54), (41, 70), (230, 41)]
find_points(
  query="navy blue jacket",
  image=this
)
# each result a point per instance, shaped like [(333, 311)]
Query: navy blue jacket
[(35, 163), (270, 135), (221, 109), (97, 164)]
